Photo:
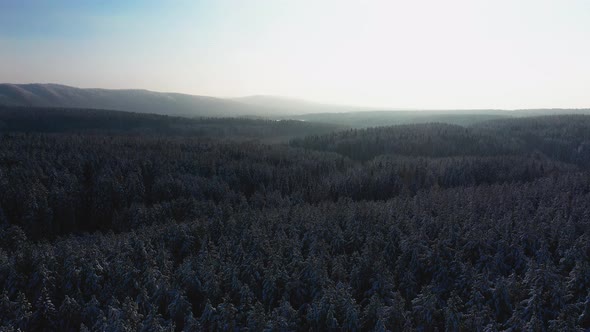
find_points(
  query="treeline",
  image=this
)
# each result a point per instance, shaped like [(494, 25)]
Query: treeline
[(364, 119), (381, 229), (427, 140), (565, 138), (60, 120)]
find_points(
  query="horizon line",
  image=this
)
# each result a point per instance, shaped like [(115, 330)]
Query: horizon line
[(360, 108)]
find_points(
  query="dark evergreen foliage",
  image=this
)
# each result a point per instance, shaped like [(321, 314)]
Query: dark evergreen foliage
[(419, 227), (60, 120)]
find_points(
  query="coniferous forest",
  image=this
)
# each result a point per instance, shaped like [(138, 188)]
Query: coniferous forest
[(114, 221)]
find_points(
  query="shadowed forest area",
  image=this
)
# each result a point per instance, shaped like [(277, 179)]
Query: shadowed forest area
[(115, 221)]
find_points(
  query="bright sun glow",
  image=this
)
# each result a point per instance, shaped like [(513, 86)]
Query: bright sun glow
[(401, 54)]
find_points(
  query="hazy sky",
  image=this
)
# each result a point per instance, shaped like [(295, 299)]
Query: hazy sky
[(402, 54)]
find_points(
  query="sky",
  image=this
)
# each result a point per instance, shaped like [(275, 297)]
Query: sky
[(420, 54)]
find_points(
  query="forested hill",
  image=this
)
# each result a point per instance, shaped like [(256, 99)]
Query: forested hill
[(370, 118), (144, 101), (366, 119), (178, 104), (565, 138), (431, 139), (62, 120), (425, 227)]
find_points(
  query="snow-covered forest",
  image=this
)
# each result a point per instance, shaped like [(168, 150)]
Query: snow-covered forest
[(252, 225)]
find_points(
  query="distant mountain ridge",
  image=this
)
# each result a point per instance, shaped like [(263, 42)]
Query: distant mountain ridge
[(144, 101), (178, 104)]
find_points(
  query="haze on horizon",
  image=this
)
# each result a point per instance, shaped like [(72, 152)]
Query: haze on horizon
[(454, 54)]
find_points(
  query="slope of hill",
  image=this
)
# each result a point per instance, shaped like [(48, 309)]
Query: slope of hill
[(75, 120), (365, 119), (143, 101), (561, 137)]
